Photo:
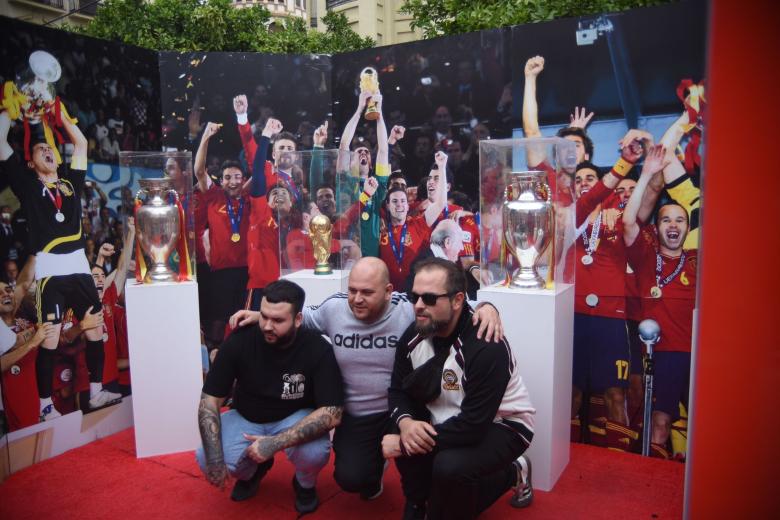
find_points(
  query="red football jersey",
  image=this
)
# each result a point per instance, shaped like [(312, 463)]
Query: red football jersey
[(300, 252), (74, 354), (263, 244), (122, 347), (604, 277), (470, 237), (224, 253), (418, 235), (633, 300), (199, 215), (20, 391), (64, 384), (674, 309), (110, 369)]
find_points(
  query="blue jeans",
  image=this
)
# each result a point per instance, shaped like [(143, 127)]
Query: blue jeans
[(308, 458)]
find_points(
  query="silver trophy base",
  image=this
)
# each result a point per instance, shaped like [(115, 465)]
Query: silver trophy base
[(160, 273), (526, 279)]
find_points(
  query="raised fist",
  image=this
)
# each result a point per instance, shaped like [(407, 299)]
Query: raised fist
[(211, 129), (534, 66), (441, 160), (370, 186), (396, 134), (240, 104), (272, 127)]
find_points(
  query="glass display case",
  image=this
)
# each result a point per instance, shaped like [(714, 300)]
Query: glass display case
[(159, 186), (527, 212), (315, 199)]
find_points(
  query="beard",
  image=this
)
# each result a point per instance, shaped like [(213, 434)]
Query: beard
[(431, 326), (283, 340)]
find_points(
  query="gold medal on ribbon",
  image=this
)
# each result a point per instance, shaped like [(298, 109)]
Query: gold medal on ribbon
[(655, 291), (235, 237), (364, 215)]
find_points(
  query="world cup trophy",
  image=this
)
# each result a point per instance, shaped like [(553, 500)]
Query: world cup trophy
[(158, 225), (369, 82), (528, 223), (320, 230)]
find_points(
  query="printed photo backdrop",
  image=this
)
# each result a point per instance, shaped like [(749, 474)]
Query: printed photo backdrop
[(448, 92)]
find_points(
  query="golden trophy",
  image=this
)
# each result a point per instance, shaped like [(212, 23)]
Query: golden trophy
[(320, 229), (369, 82)]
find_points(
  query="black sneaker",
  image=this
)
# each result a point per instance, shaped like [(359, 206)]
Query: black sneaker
[(414, 511), (373, 494), (523, 491), (306, 500), (246, 489), (376, 491)]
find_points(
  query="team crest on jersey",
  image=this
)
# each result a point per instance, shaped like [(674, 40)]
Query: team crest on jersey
[(16, 370), (63, 186), (66, 375), (450, 379), (467, 236), (293, 386)]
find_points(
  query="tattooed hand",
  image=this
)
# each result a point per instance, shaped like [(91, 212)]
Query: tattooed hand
[(262, 447), (216, 474), (210, 426)]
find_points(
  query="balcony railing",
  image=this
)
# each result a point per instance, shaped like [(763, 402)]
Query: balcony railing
[(86, 7), (60, 4)]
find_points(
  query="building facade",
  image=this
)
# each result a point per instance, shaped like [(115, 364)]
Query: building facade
[(50, 12), (379, 19), (279, 9)]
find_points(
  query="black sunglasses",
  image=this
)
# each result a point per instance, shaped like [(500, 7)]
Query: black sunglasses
[(427, 298)]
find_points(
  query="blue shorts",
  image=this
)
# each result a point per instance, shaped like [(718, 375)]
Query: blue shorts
[(635, 347), (601, 353), (671, 381)]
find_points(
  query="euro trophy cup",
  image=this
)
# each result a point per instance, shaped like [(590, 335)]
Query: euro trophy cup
[(528, 226), (369, 82), (320, 230), (37, 84), (158, 226), (649, 334)]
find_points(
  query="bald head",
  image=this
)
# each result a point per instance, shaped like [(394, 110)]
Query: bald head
[(370, 268), (369, 289)]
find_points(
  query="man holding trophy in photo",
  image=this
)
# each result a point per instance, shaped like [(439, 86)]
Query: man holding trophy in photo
[(358, 163), (51, 197)]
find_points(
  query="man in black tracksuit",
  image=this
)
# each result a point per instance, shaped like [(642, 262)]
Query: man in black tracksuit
[(464, 415)]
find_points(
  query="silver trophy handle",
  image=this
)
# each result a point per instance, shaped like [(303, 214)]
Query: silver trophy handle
[(650, 335)]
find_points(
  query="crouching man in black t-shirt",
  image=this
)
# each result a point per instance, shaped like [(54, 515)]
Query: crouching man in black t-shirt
[(288, 396)]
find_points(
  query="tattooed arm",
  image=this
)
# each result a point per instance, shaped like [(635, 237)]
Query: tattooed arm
[(314, 425), (210, 426)]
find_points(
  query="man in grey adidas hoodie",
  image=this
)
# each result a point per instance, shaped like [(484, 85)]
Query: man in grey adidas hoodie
[(364, 326)]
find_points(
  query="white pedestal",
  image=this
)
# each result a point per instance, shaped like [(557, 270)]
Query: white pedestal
[(165, 366), (319, 286), (539, 326)]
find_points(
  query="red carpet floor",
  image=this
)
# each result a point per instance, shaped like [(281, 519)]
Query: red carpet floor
[(104, 480)]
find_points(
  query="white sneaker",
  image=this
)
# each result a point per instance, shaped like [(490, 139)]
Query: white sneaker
[(524, 491), (49, 413), (103, 398)]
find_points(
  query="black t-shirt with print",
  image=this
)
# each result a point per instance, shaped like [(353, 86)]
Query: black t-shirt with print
[(273, 383), (46, 233)]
